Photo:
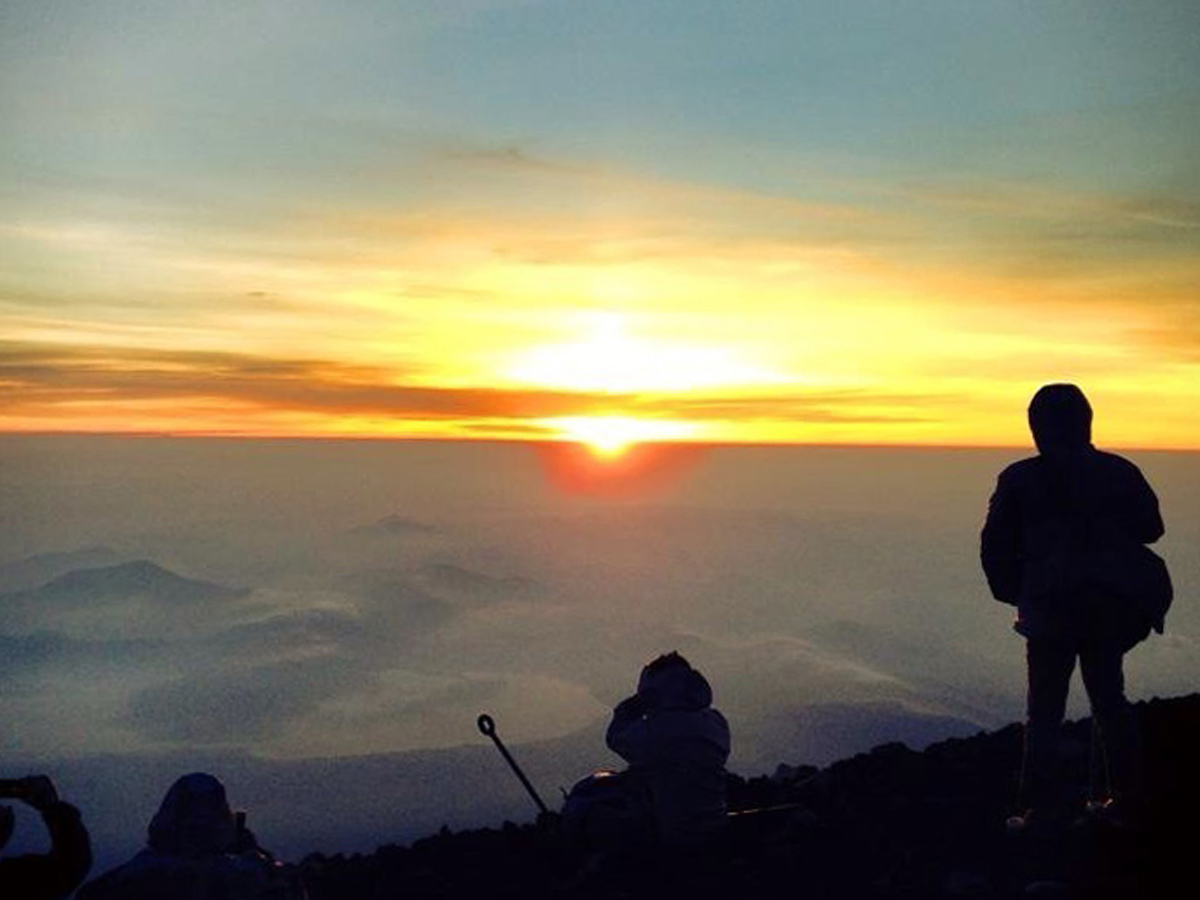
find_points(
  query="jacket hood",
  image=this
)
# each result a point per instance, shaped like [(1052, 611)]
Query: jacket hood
[(1060, 418), (675, 686), (194, 819)]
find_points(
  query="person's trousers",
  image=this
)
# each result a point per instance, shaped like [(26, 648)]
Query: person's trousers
[(1051, 661)]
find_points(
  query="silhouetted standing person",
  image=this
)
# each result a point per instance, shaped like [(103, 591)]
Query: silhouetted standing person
[(1064, 542), (52, 875)]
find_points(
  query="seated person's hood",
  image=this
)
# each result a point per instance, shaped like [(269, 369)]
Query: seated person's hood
[(675, 687), (194, 819)]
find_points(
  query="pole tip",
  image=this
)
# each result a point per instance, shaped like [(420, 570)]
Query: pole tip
[(487, 725)]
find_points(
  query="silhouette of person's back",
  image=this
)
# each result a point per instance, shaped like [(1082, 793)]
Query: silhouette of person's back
[(197, 849), (677, 744), (1064, 542)]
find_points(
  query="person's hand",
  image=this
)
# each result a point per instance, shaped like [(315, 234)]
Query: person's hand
[(40, 792)]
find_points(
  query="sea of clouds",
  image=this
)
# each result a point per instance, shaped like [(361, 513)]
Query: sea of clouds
[(320, 623)]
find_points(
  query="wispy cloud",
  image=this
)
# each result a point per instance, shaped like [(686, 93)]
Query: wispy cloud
[(1042, 230), (225, 707), (1180, 344), (41, 377), (816, 406)]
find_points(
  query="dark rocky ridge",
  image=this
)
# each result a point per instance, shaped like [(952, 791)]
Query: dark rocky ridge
[(891, 823)]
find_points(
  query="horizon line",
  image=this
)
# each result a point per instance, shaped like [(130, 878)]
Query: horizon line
[(495, 439)]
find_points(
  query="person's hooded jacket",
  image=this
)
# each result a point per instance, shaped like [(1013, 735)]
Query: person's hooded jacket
[(196, 850), (677, 743), (1066, 529)]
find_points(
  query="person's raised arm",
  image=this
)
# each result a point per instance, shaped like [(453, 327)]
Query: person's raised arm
[(55, 874)]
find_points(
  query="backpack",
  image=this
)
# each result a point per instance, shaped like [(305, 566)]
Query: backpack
[(609, 811), (1138, 577)]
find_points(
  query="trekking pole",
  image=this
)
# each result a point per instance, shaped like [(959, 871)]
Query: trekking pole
[(487, 725)]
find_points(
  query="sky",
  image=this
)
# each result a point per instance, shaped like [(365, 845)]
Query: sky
[(868, 221)]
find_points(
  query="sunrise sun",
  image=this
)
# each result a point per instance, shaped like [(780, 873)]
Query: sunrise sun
[(607, 358), (610, 437)]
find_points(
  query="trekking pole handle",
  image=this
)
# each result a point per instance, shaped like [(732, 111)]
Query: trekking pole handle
[(487, 725)]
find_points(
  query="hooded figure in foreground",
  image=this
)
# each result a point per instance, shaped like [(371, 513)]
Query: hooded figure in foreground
[(1064, 543), (197, 849), (676, 744)]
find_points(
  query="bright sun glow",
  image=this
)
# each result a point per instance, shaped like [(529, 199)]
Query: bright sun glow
[(610, 360), (608, 437)]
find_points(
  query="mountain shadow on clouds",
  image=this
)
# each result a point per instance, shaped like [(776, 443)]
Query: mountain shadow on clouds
[(137, 578), (34, 571), (128, 600)]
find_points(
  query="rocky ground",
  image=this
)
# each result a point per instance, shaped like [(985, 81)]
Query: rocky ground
[(891, 823)]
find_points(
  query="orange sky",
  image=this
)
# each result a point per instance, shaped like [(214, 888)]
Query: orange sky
[(702, 241)]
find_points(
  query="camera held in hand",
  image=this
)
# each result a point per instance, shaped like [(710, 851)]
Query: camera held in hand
[(14, 789)]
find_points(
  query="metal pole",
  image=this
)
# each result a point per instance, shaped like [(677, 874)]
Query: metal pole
[(487, 725)]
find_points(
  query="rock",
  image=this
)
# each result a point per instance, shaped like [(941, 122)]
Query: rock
[(1049, 890), (964, 884)]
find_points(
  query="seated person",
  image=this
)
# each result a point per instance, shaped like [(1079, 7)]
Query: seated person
[(676, 744), (197, 849), (55, 874)]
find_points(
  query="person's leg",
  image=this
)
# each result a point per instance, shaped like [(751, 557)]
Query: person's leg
[(1099, 781), (1050, 664), (1104, 679)]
